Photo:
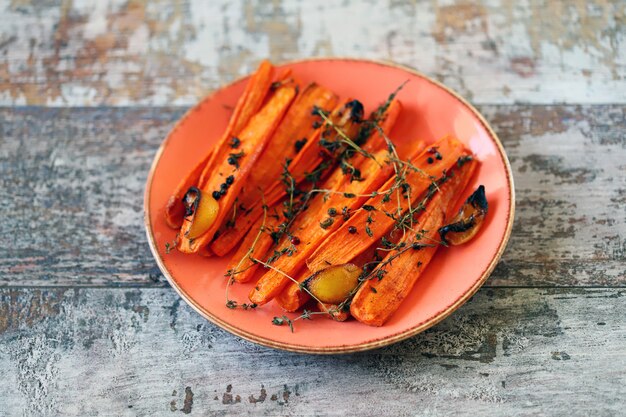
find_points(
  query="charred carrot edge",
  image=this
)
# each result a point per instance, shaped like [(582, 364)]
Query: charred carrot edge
[(247, 106), (310, 225), (379, 298), (350, 240), (305, 161), (175, 210), (253, 139)]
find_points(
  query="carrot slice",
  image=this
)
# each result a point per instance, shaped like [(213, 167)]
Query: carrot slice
[(352, 238), (248, 105), (305, 162), (175, 210), (255, 245), (323, 217), (380, 296), (293, 297), (376, 141), (231, 173), (294, 131)]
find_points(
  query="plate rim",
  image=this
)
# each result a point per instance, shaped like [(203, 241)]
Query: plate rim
[(368, 345)]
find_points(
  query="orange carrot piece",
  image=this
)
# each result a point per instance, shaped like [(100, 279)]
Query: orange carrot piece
[(253, 139), (292, 297), (175, 210), (350, 239), (334, 312), (304, 162), (379, 297), (299, 124), (248, 105), (376, 141), (254, 246), (316, 223)]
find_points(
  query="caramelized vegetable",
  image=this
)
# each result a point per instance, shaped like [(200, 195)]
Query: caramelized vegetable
[(205, 209), (175, 210), (304, 162), (468, 221), (333, 284), (247, 106)]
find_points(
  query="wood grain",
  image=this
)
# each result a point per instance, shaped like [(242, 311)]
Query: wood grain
[(141, 352), (162, 52), (74, 179)]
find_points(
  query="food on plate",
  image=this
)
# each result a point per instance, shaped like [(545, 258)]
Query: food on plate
[(324, 209), (333, 284), (468, 221)]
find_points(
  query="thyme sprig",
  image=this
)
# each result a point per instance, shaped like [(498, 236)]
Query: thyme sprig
[(345, 138)]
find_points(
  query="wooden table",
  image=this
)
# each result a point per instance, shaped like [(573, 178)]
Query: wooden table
[(88, 326)]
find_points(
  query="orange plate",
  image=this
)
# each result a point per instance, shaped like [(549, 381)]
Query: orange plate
[(431, 110)]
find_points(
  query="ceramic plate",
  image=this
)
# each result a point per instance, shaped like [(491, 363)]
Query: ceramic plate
[(430, 111)]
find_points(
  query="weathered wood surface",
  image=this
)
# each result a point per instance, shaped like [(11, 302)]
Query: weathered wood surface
[(546, 336), (73, 183), (142, 352), (65, 52)]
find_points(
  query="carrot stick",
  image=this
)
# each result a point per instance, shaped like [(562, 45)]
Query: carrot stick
[(380, 296), (376, 141), (248, 105), (294, 131), (255, 245), (351, 239), (238, 165), (318, 221), (175, 210), (293, 297), (304, 162)]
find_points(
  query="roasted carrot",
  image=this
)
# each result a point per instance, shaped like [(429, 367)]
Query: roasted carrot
[(247, 106), (230, 175), (380, 296), (299, 169), (174, 210), (387, 208), (385, 115), (323, 217), (299, 124), (255, 245), (292, 297)]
